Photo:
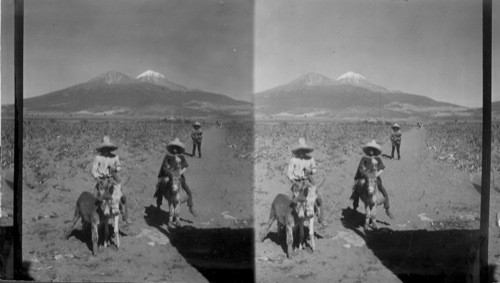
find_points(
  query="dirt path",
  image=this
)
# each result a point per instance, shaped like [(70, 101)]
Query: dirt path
[(436, 211), (216, 243)]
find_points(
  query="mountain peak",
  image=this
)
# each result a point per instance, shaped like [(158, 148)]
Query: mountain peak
[(159, 79), (151, 74), (112, 77), (351, 77), (311, 79)]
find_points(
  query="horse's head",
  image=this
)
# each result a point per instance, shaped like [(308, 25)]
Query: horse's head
[(370, 181), (174, 178)]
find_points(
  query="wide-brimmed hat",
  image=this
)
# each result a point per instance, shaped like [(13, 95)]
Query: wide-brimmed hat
[(196, 124), (106, 143), (372, 145), (395, 125), (303, 147), (177, 144)]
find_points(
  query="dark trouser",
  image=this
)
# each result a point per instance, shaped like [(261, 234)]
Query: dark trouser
[(102, 184), (159, 194), (195, 145), (355, 196), (395, 146)]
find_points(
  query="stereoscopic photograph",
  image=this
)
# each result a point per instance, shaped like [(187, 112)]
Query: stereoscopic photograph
[(249, 141)]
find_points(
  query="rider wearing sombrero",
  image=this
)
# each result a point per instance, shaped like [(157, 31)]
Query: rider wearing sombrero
[(105, 169), (197, 136), (371, 161), (301, 168), (173, 159), (396, 140)]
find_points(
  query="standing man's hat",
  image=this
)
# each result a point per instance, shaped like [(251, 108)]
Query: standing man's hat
[(177, 144), (106, 143), (196, 124), (374, 146), (303, 147), (396, 126)]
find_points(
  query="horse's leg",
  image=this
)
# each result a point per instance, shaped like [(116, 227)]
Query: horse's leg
[(117, 230)]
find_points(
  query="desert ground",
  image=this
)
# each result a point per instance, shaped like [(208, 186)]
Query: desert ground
[(216, 244), (433, 236), (436, 222)]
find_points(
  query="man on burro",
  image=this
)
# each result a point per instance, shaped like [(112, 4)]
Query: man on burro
[(105, 170), (370, 162), (301, 169), (174, 159)]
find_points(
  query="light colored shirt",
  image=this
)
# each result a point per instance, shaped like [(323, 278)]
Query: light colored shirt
[(297, 167), (102, 164)]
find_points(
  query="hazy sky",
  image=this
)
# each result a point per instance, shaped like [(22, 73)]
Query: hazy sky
[(200, 44), (431, 48), (236, 47)]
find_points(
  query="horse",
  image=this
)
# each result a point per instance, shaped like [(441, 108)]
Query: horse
[(174, 194), (367, 190)]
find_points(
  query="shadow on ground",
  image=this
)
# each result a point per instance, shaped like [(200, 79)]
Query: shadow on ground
[(219, 254), (84, 235), (7, 271), (418, 255)]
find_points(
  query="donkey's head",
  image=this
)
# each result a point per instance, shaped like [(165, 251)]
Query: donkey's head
[(174, 178), (371, 182), (299, 205)]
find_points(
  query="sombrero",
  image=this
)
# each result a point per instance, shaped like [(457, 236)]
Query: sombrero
[(196, 124), (396, 126), (303, 147), (176, 143), (372, 145), (106, 143)]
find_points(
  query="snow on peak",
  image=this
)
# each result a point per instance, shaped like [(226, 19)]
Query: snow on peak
[(151, 74), (351, 76)]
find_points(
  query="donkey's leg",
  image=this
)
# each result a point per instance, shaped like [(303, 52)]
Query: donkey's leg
[(170, 213), (311, 232), (367, 218), (105, 221), (117, 230), (289, 239), (301, 234), (176, 215), (373, 216), (268, 226)]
